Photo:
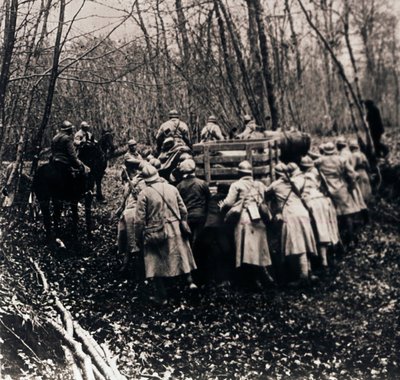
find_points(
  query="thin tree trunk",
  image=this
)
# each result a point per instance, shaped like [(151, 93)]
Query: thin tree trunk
[(50, 93), (266, 65), (342, 75), (8, 48), (255, 62), (182, 22), (346, 27), (239, 56), (295, 43), (227, 60)]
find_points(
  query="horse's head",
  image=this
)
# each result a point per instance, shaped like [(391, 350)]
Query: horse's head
[(89, 152), (106, 142)]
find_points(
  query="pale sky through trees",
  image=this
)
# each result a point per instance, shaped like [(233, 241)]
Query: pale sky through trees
[(102, 15)]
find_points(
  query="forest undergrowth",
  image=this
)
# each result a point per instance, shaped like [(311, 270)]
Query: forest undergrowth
[(343, 327)]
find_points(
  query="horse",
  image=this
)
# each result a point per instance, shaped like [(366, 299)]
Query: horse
[(52, 185), (95, 155)]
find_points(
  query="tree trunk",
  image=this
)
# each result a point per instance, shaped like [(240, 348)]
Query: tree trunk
[(186, 56), (50, 92), (255, 74), (242, 66), (227, 60), (266, 64), (8, 47)]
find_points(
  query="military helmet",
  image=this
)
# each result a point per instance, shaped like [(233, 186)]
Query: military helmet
[(132, 142), (353, 144), (155, 162), (66, 125), (245, 167), (247, 118), (184, 156), (188, 166), (341, 141), (306, 162), (84, 124), (292, 167), (329, 148), (173, 113), (150, 173)]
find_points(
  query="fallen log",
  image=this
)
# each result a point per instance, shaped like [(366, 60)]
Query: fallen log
[(76, 349), (70, 359), (95, 362)]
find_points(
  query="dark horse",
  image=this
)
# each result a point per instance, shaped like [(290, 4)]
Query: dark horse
[(53, 185), (95, 155)]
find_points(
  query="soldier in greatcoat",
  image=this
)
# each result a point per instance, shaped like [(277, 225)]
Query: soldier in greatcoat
[(297, 238), (320, 208), (361, 166), (252, 251), (161, 208), (340, 179)]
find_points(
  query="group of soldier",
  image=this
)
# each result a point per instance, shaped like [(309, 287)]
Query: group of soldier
[(173, 227), (170, 228)]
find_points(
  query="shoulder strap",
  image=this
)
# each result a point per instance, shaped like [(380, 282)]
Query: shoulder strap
[(297, 192), (287, 198), (168, 205), (323, 181), (176, 127)]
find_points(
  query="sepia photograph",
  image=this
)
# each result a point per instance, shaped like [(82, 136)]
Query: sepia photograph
[(199, 189)]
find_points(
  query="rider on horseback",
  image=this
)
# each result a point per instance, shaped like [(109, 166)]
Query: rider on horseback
[(174, 128), (83, 135), (64, 155)]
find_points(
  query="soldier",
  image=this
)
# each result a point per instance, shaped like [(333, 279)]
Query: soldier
[(297, 238), (249, 127), (211, 131), (126, 212), (160, 212), (320, 207), (64, 155), (131, 156), (243, 201), (361, 166), (376, 128), (341, 146), (340, 179), (83, 135), (195, 194), (174, 128)]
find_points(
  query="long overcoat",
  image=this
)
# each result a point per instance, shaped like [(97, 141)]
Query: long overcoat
[(320, 207), (297, 235), (340, 178), (173, 257), (361, 166), (250, 236), (356, 191)]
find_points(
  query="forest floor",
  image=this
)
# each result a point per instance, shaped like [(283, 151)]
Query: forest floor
[(344, 327)]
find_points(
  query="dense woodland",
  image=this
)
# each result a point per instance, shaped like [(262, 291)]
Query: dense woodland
[(306, 63)]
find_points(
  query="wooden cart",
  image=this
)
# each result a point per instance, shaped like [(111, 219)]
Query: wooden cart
[(218, 161)]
